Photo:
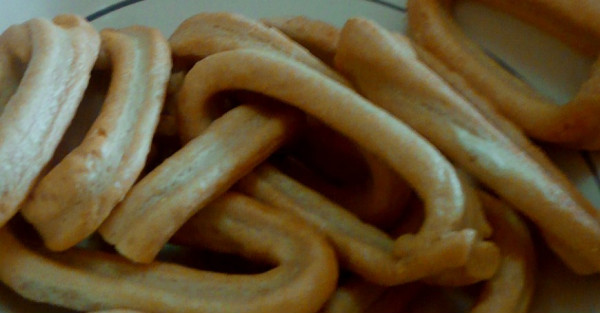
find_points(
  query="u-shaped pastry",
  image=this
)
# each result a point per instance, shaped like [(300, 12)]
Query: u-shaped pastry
[(73, 199), (303, 273), (44, 69), (291, 82), (390, 74), (575, 124)]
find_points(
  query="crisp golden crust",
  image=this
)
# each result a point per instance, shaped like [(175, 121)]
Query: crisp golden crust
[(575, 124), (302, 278), (56, 57), (418, 96), (73, 199)]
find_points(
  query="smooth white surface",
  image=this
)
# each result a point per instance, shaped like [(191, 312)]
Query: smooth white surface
[(546, 63)]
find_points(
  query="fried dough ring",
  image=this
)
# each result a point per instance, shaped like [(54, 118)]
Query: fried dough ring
[(203, 169), (73, 199), (304, 275), (431, 176), (420, 97), (205, 34), (575, 124), (37, 106)]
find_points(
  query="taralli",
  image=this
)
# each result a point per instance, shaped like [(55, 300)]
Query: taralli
[(286, 165), (73, 199), (163, 200), (418, 96), (303, 275), (575, 124), (44, 70)]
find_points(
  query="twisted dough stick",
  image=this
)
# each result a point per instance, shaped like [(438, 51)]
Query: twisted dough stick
[(575, 124), (433, 178), (303, 276), (204, 168), (420, 97), (38, 105), (73, 199)]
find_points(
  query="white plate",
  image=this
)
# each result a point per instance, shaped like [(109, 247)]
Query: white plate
[(526, 50)]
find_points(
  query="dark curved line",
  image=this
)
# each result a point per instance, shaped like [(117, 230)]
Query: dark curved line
[(111, 8), (124, 3), (389, 5)]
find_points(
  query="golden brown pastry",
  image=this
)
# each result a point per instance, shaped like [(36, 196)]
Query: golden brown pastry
[(303, 273), (291, 82), (159, 204), (386, 69), (575, 124), (44, 70), (72, 200)]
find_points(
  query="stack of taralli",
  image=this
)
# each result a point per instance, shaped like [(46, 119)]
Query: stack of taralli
[(320, 168)]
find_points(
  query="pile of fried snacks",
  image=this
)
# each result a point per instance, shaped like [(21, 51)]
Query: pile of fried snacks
[(285, 164)]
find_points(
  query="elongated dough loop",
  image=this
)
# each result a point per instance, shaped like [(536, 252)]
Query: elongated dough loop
[(73, 199), (302, 278), (433, 178), (575, 124), (34, 116), (417, 95)]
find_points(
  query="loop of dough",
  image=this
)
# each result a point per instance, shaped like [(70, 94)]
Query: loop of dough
[(73, 199), (304, 273), (36, 111), (575, 124), (413, 158)]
